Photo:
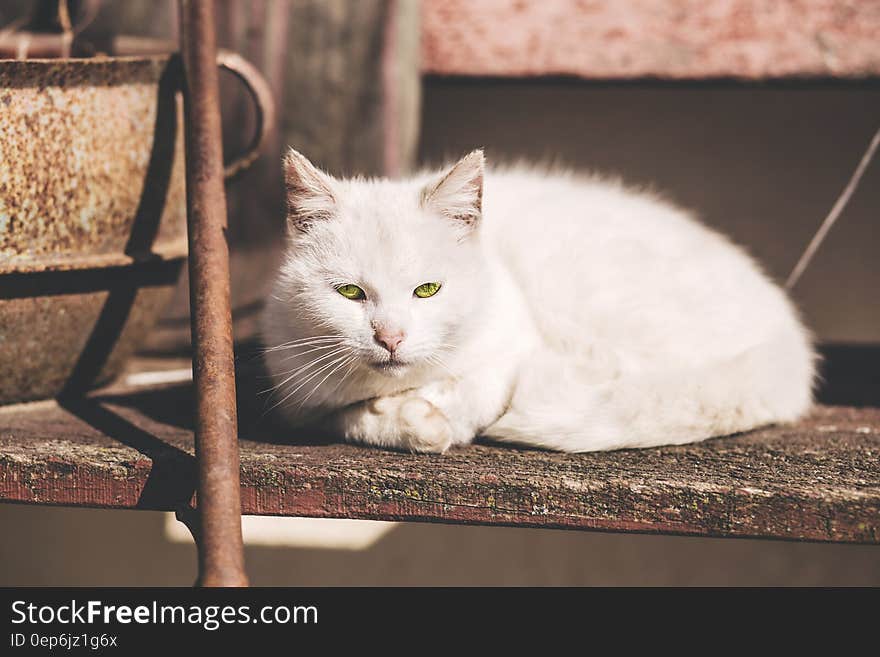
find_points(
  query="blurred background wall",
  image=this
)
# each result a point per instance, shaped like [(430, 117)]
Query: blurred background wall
[(762, 162), (79, 547)]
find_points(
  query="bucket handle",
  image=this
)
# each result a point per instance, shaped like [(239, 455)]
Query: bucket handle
[(247, 73), (264, 104)]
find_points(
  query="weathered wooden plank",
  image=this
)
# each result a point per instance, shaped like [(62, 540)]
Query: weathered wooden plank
[(818, 480), (684, 39)]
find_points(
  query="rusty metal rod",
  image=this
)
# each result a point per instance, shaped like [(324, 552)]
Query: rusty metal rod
[(221, 553)]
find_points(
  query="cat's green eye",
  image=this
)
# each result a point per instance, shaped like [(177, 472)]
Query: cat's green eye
[(351, 292), (426, 290)]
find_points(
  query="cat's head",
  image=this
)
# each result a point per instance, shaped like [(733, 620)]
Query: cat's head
[(393, 269)]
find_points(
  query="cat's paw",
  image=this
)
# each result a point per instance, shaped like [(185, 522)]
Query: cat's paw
[(423, 427)]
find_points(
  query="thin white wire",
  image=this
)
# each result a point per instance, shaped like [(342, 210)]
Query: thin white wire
[(836, 211)]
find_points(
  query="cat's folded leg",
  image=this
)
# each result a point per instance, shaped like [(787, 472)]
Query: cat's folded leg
[(405, 421), (472, 402), (429, 419)]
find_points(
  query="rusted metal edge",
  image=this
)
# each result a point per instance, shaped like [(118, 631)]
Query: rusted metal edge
[(96, 60), (76, 262)]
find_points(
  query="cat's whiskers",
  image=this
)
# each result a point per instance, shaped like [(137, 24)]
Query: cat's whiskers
[(351, 368), (350, 358), (304, 339), (310, 377), (436, 360), (299, 354), (308, 343), (294, 343), (317, 346), (299, 370), (308, 348), (303, 342)]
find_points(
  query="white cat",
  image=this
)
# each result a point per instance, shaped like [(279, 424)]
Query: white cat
[(555, 310)]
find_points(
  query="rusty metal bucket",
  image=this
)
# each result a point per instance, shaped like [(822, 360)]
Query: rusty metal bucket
[(92, 212)]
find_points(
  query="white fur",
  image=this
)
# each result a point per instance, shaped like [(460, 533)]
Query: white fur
[(574, 314)]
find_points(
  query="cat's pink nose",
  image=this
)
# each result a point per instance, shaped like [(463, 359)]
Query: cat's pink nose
[(389, 339)]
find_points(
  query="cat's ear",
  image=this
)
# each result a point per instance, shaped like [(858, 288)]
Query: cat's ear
[(458, 194), (310, 196)]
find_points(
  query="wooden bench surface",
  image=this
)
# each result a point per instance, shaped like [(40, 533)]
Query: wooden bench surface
[(131, 447)]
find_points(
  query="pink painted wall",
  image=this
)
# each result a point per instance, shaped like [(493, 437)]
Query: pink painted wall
[(654, 38)]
